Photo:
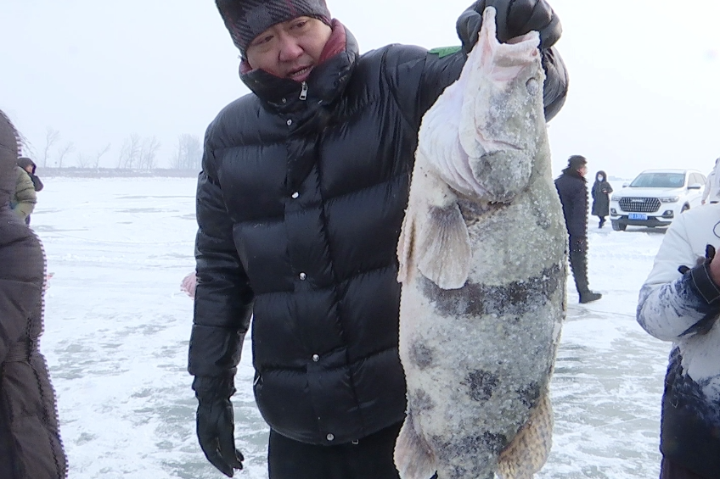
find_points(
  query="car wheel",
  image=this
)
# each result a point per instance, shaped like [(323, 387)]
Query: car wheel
[(685, 208), (616, 226)]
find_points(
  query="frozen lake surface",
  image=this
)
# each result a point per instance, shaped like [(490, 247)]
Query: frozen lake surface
[(117, 326)]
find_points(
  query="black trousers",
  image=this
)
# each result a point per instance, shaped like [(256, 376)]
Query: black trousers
[(668, 470), (370, 458)]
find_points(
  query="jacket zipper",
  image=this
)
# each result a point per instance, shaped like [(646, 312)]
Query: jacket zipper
[(303, 91)]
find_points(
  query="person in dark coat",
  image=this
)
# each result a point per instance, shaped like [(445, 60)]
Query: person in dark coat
[(300, 202), (572, 188), (30, 446), (601, 190)]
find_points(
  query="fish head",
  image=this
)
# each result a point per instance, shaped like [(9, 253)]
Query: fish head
[(501, 118)]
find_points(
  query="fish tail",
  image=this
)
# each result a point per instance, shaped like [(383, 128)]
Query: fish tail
[(529, 450), (414, 458)]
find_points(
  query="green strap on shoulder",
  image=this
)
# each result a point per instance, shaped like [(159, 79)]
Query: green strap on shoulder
[(445, 51)]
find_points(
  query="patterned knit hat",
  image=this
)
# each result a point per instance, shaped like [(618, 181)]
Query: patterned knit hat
[(246, 19)]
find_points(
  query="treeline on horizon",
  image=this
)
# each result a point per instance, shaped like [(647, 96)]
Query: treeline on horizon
[(135, 153)]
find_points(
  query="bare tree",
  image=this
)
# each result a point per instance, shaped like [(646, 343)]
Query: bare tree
[(189, 153), (100, 153), (51, 137), (82, 160), (68, 148), (130, 152), (148, 153)]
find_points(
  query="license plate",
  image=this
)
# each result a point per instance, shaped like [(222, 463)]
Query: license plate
[(637, 216)]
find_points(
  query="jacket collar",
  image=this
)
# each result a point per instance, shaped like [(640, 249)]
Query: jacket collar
[(326, 83), (573, 174)]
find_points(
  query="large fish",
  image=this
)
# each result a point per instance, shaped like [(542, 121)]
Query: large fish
[(483, 264)]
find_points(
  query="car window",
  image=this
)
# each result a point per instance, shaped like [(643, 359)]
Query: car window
[(659, 180)]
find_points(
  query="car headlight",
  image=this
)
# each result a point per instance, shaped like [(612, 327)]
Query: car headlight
[(615, 198), (670, 199)]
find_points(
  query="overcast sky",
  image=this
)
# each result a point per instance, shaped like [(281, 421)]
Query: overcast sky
[(644, 74)]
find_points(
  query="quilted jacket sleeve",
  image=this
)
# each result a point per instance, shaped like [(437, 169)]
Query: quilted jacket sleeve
[(223, 297), (669, 302), (419, 77)]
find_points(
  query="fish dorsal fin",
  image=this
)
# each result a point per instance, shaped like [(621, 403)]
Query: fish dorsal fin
[(443, 246)]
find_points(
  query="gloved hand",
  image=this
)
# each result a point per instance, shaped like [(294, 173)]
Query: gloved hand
[(216, 423), (703, 326), (709, 256), (514, 18)]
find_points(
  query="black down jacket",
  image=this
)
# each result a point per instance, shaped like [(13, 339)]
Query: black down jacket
[(30, 446), (299, 206), (572, 188)]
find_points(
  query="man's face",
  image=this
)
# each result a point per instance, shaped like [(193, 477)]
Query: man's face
[(583, 170), (290, 49)]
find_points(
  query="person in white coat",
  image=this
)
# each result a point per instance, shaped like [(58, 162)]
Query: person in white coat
[(680, 303), (712, 185)]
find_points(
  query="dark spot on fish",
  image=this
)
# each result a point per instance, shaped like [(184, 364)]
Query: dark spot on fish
[(513, 299), (421, 355), (471, 210), (494, 442), (481, 384), (419, 400), (530, 394), (487, 444)]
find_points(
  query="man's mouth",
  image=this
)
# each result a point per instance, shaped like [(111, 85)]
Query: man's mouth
[(299, 72)]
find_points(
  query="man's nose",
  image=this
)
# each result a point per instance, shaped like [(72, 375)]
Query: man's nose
[(290, 49)]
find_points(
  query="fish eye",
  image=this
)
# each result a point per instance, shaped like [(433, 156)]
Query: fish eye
[(532, 86)]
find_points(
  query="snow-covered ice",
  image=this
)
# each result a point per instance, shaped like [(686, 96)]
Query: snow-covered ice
[(117, 326)]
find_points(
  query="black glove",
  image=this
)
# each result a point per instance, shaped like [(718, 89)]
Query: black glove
[(216, 423), (514, 18), (703, 326), (709, 256)]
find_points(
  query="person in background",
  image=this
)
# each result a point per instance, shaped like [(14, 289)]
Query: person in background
[(601, 190), (680, 303), (712, 185), (572, 188), (29, 166), (23, 199), (30, 445), (300, 202)]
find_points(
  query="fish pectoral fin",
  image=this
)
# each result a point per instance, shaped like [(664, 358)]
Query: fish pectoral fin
[(444, 252), (529, 450), (405, 246), (414, 458)]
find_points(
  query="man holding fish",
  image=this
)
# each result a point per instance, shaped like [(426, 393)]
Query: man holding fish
[(300, 203)]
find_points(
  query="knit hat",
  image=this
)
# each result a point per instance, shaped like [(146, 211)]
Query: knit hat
[(576, 162), (246, 19)]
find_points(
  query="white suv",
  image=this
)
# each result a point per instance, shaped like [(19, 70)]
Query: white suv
[(655, 198)]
